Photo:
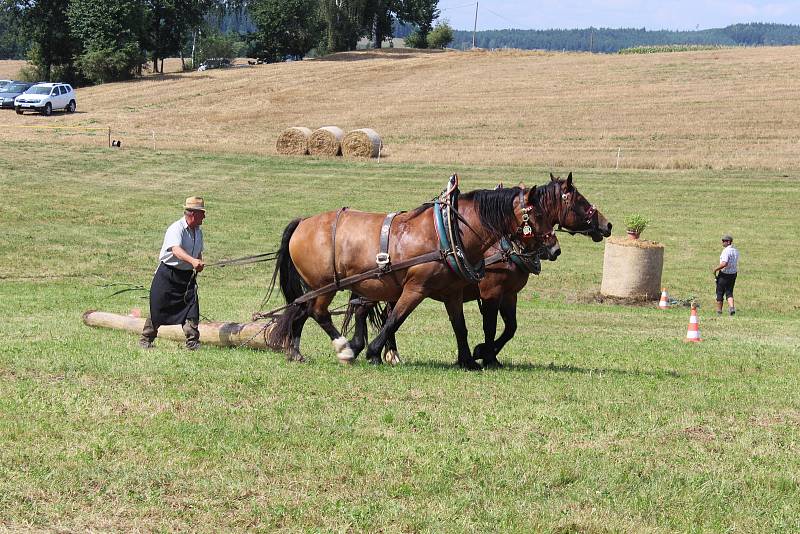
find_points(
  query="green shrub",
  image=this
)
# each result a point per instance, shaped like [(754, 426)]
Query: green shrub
[(636, 223), (440, 36), (416, 40), (102, 65)]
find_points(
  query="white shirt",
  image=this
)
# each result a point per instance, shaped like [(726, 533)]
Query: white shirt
[(731, 256), (189, 240)]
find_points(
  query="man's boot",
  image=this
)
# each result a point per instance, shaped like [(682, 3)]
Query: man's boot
[(191, 329), (149, 333)]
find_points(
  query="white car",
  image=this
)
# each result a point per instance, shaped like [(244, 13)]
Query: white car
[(45, 97)]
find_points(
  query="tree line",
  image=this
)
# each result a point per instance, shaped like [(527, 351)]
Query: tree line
[(610, 40), (94, 41)]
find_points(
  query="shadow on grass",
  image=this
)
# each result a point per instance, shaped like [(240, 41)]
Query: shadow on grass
[(537, 367)]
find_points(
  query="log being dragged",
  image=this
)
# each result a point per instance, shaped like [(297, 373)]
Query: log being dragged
[(251, 335)]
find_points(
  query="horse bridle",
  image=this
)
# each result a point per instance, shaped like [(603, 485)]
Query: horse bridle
[(524, 230), (568, 201)]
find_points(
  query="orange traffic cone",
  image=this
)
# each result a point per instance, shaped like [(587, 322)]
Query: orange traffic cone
[(693, 332), (664, 302)]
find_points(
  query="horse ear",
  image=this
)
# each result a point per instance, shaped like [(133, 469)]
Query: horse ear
[(532, 196), (552, 178), (569, 180)]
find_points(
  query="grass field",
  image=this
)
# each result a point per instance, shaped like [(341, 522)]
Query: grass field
[(715, 109), (602, 421)]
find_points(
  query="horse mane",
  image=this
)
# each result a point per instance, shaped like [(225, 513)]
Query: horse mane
[(545, 197), (495, 207)]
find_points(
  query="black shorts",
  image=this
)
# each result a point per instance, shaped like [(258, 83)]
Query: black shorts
[(725, 283)]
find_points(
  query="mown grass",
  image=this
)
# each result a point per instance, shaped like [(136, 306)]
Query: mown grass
[(602, 421), (729, 108)]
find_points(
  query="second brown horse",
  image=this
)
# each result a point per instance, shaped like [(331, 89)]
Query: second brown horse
[(308, 261)]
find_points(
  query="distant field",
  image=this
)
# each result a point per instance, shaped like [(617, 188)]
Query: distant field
[(9, 68), (603, 421), (713, 109)]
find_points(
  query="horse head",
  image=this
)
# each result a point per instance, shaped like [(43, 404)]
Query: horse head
[(575, 213)]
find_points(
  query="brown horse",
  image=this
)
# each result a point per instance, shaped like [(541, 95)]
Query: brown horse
[(558, 202), (332, 246)]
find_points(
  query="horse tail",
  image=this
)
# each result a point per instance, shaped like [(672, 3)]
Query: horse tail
[(291, 283), (292, 287), (349, 313), (376, 313)]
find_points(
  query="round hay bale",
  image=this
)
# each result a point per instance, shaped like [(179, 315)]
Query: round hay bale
[(294, 141), (632, 269), (326, 141), (363, 143)]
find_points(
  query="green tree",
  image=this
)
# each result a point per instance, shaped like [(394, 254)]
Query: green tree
[(45, 22), (169, 23), (285, 28), (440, 36), (420, 13), (344, 22), (13, 42), (110, 33)]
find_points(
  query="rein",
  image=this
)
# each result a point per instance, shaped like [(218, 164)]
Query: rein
[(268, 256)]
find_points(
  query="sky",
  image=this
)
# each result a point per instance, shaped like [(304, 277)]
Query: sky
[(649, 14)]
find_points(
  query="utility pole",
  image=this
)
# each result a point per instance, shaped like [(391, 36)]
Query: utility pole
[(475, 27)]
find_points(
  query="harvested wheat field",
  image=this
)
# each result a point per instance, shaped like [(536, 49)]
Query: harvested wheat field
[(727, 108)]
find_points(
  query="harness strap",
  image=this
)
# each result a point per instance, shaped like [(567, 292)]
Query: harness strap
[(373, 273), (335, 224), (382, 258)]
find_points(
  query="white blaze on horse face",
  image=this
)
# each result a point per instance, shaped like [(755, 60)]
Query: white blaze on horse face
[(343, 350)]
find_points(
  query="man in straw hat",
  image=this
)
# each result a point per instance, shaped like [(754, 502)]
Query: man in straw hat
[(725, 273), (173, 293)]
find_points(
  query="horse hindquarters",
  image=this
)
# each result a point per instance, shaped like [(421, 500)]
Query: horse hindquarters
[(289, 326)]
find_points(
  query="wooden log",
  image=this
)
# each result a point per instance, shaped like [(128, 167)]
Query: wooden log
[(251, 335)]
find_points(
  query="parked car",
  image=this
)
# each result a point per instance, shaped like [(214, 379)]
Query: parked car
[(11, 91), (215, 63), (45, 97), (3, 83)]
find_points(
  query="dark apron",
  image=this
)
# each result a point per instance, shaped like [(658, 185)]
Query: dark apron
[(173, 296)]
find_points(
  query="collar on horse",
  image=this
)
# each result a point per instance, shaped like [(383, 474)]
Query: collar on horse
[(446, 217), (529, 262)]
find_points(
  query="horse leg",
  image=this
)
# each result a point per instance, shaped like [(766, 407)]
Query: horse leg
[(318, 309), (508, 311), (401, 309), (390, 354), (487, 351), (455, 311), (293, 352), (359, 339)]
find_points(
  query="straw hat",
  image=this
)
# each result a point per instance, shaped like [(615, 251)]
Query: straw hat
[(726, 237), (195, 203)]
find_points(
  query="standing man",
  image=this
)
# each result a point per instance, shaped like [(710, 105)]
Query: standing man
[(173, 293), (725, 273)]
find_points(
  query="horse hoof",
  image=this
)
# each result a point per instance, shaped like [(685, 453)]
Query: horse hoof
[(294, 356), (343, 350), (375, 361), (392, 357), (470, 365), (492, 364), (477, 352)]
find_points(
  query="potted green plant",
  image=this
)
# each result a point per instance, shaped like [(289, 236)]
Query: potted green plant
[(635, 225)]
